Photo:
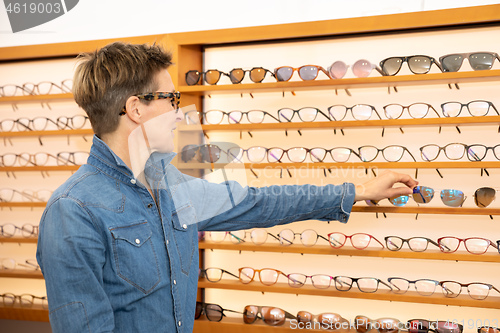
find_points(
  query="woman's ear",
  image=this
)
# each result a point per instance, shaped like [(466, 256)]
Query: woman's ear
[(133, 107)]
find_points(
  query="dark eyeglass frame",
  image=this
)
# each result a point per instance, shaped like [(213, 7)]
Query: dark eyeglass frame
[(466, 285), (204, 273), (408, 59), (414, 282), (20, 298), (242, 113), (205, 151), (297, 112), (259, 309), (236, 81), (466, 105), (441, 149), (203, 75), (403, 108), (487, 329), (356, 280), (383, 155), (318, 68), (467, 56), (202, 307), (403, 240), (352, 111), (464, 240), (174, 96)]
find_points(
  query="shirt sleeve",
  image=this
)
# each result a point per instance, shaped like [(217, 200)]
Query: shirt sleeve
[(269, 206), (71, 254)]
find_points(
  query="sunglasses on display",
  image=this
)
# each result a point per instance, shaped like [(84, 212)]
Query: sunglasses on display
[(27, 230), (418, 64), (364, 324), (416, 244), (215, 117), (213, 274), (308, 237), (305, 114), (424, 287), (475, 108), (213, 312), (484, 196), (455, 151), (440, 326), (201, 153), (415, 110), (487, 329), (361, 68), (306, 73), (478, 61), (476, 290), (270, 315), (236, 75), (359, 241), (267, 276), (423, 195), (473, 245), (327, 320), (358, 111), (175, 99), (392, 153)]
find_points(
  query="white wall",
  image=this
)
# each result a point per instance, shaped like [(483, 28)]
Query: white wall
[(99, 19)]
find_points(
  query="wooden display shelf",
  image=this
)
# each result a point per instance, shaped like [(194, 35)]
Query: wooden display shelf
[(19, 240), (233, 324), (368, 82), (328, 250), (23, 204), (41, 168), (448, 121), (36, 313), (46, 133), (346, 165), (490, 302), (36, 98), (20, 273)]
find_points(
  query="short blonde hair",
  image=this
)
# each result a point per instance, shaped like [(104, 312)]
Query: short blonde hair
[(106, 78)]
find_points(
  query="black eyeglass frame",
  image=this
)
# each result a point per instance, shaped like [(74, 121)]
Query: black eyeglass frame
[(406, 59)]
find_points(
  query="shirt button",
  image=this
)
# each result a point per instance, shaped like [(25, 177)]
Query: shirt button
[(137, 241), (175, 282), (184, 226), (150, 205), (133, 181), (167, 241), (179, 323)]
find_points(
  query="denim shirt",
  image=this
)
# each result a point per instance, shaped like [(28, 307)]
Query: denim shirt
[(115, 259)]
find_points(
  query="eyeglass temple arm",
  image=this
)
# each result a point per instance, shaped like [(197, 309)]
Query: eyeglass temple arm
[(224, 271), (378, 69), (392, 284), (320, 236), (385, 284), (223, 310), (376, 112), (438, 64), (289, 315), (410, 154), (434, 110), (277, 238), (378, 242), (270, 115)]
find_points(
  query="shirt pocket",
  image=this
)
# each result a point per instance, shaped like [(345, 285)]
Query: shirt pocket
[(135, 258), (185, 233)]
